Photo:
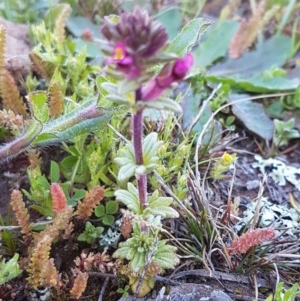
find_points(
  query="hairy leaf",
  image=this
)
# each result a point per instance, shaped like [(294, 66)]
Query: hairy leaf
[(188, 37), (252, 115)]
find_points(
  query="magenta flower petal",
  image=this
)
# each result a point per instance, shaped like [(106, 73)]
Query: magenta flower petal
[(126, 61), (152, 90), (109, 61), (182, 66)]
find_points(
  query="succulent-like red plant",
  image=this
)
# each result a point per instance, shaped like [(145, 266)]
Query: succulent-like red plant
[(59, 200), (249, 239)]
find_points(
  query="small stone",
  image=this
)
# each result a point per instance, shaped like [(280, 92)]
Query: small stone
[(219, 296), (250, 185)]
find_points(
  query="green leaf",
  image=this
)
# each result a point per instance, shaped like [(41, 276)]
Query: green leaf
[(92, 49), (122, 252), (73, 150), (252, 115), (52, 14), (79, 194), (9, 269), (42, 210), (138, 262), (39, 228), (42, 4), (275, 109), (148, 143), (171, 19), (99, 230), (100, 211), (169, 261), (216, 41), (284, 131), (162, 103), (42, 181), (108, 220), (164, 212), (272, 53), (38, 103), (248, 71), (270, 298), (54, 172), (112, 207), (100, 80), (77, 25), (43, 138), (188, 37), (126, 172), (129, 198), (159, 201), (69, 162), (190, 107), (82, 237)]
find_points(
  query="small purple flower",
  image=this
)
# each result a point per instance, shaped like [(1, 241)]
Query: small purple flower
[(124, 62), (134, 41), (120, 56), (169, 75)]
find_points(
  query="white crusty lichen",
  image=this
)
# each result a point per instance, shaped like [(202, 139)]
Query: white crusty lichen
[(280, 172)]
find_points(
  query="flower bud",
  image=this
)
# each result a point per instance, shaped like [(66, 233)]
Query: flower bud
[(167, 77)]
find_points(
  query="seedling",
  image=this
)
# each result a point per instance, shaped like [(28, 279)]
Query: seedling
[(124, 291), (9, 269), (8, 238), (105, 213), (91, 233), (284, 131), (282, 294)]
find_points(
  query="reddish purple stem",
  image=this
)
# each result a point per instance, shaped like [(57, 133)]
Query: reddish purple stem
[(137, 132)]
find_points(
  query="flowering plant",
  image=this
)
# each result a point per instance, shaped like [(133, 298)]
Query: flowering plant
[(139, 57), (135, 44)]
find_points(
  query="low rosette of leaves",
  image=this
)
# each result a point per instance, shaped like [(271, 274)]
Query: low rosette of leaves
[(144, 241), (158, 205), (126, 158), (9, 269), (284, 131), (91, 233)]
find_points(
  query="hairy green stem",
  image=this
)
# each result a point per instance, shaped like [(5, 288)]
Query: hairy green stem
[(22, 142), (137, 136), (84, 119)]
